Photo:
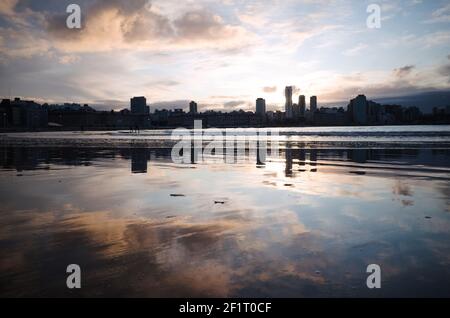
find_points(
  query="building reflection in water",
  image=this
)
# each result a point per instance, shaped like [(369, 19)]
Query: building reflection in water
[(359, 155), (32, 158), (294, 157), (272, 239), (139, 160), (313, 157), (302, 157), (261, 154)]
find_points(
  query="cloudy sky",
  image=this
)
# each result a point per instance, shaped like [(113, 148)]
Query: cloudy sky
[(221, 53)]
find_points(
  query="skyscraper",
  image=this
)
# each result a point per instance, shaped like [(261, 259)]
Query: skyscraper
[(295, 111), (139, 106), (288, 107), (313, 104), (193, 107), (261, 107), (302, 105)]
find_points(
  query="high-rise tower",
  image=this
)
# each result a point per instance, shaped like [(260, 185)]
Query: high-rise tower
[(193, 107), (288, 106), (313, 104), (261, 107), (302, 105)]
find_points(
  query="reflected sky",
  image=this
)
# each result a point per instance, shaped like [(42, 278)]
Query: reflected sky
[(303, 225)]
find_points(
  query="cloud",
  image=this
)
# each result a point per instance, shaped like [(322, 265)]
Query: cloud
[(175, 104), (441, 15), (7, 7), (378, 90), (435, 39), (34, 28), (135, 25), (355, 50), (225, 97), (108, 25), (295, 90), (69, 59), (254, 20), (18, 43), (403, 71), (163, 83), (269, 89), (204, 25), (168, 50), (235, 103), (419, 42), (444, 70)]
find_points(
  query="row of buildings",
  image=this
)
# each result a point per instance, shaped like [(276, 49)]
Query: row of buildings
[(23, 114), (360, 111), (295, 111), (19, 114), (292, 111)]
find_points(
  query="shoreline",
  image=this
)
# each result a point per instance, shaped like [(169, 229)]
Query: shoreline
[(156, 128), (398, 137)]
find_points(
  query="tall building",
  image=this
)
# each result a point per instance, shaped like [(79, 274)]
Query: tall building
[(261, 107), (295, 111), (288, 106), (358, 109), (302, 105), (313, 104), (139, 106), (193, 107)]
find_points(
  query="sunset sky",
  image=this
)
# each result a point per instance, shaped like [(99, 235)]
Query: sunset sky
[(223, 54)]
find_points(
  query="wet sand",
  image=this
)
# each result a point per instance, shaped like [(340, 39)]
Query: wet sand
[(303, 225)]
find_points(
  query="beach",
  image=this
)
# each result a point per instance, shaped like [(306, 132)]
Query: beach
[(306, 223)]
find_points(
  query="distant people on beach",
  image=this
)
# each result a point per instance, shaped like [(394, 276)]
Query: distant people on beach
[(134, 129)]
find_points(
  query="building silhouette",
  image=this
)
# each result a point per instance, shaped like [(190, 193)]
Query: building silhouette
[(296, 111), (261, 107), (358, 109), (193, 108), (138, 106), (302, 105), (22, 114), (313, 104), (289, 105)]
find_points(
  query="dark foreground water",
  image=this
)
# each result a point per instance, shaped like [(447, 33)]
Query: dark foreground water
[(304, 225)]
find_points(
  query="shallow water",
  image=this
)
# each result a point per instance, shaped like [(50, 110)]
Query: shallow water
[(303, 225), (323, 137)]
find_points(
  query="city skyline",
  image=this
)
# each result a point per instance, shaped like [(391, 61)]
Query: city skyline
[(224, 53)]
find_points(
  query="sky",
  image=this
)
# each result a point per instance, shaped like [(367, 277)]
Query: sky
[(224, 53)]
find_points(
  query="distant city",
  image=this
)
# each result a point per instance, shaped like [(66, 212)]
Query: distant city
[(24, 115)]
